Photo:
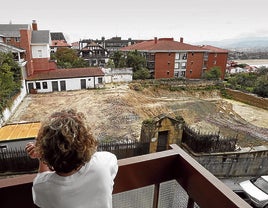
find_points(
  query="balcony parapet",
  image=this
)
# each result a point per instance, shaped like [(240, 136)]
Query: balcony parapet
[(201, 186)]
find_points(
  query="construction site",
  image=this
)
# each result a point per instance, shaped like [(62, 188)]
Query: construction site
[(117, 111)]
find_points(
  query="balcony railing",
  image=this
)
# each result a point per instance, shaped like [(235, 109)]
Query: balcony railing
[(202, 188)]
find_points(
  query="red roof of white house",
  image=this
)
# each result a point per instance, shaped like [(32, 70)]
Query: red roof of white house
[(214, 49), (162, 44), (67, 73)]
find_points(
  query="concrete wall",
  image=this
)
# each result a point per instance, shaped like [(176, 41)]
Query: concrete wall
[(118, 75), (247, 98), (245, 162)]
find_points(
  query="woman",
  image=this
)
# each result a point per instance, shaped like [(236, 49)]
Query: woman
[(71, 172)]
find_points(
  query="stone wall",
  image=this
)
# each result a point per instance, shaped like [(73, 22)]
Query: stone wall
[(247, 98), (245, 162)]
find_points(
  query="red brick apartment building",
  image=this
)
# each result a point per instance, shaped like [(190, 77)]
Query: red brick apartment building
[(167, 58), (35, 42)]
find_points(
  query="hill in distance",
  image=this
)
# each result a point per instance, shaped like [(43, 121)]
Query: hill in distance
[(248, 43)]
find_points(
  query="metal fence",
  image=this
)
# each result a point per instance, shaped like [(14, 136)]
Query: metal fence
[(210, 142), (16, 160)]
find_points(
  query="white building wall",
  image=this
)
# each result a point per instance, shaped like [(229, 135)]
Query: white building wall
[(71, 84), (40, 51), (9, 111), (118, 75)]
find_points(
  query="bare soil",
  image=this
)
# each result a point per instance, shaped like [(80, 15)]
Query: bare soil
[(117, 111)]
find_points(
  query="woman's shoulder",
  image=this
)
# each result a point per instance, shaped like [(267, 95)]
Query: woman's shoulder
[(104, 155)]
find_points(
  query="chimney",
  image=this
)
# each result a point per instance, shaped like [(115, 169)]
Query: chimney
[(181, 39), (155, 40), (34, 25)]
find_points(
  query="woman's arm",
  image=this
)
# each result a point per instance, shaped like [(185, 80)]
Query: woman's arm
[(30, 149)]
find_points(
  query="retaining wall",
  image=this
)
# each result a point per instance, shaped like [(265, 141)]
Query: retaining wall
[(247, 98), (245, 162)]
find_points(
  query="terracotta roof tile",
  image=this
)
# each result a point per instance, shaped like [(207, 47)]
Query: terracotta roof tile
[(67, 73), (214, 49), (162, 44), (59, 43)]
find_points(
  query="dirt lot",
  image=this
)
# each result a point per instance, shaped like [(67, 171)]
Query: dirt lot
[(118, 111)]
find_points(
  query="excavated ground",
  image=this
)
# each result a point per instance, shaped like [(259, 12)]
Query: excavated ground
[(117, 111)]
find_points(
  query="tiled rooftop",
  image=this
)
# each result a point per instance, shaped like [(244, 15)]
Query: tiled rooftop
[(163, 44), (67, 73), (214, 49)]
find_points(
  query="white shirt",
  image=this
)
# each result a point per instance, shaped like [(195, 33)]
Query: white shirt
[(90, 187)]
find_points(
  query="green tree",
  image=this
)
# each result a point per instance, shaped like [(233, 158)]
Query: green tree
[(261, 88), (110, 64), (118, 59), (262, 70), (68, 58), (142, 73), (213, 73), (10, 78), (243, 81), (135, 60)]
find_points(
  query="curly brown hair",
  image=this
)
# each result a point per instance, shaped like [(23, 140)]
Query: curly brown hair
[(64, 142)]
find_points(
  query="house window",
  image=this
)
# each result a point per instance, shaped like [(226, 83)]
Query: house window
[(39, 52), (176, 65), (183, 65), (8, 40), (184, 56), (100, 80), (38, 85), (44, 85), (177, 56), (17, 39)]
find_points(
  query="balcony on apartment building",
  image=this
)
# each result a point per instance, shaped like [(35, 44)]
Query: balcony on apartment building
[(170, 178)]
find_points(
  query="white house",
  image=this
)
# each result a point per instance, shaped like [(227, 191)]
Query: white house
[(40, 44), (65, 80)]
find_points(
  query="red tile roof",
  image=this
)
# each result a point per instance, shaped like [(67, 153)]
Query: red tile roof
[(59, 43), (67, 73), (162, 44), (214, 49)]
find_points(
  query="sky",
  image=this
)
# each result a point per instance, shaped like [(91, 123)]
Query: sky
[(194, 20)]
